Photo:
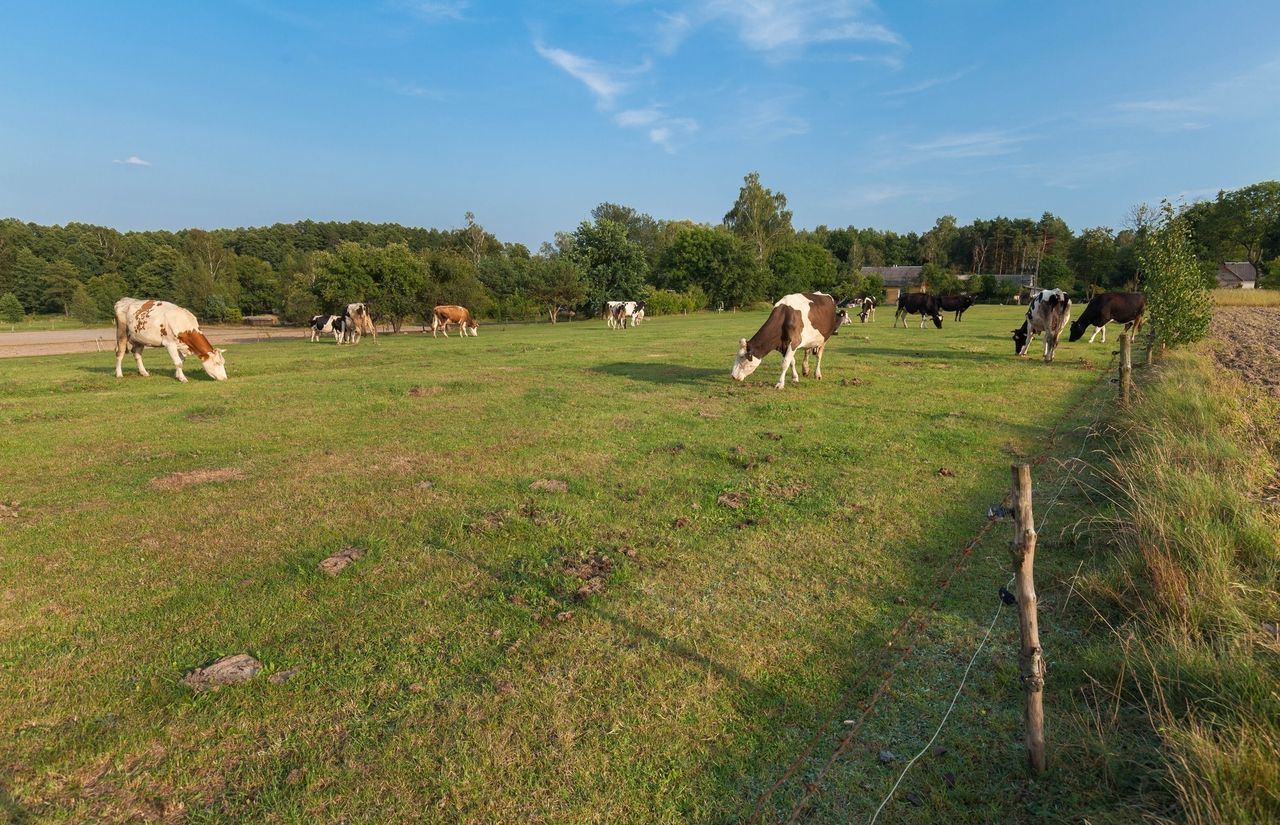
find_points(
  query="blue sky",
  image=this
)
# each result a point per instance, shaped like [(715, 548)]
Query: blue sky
[(151, 115)]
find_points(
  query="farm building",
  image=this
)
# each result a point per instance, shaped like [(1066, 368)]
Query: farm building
[(897, 279), (1237, 275)]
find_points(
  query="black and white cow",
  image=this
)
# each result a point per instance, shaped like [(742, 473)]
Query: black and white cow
[(1122, 307), (918, 303), (956, 303), (1048, 313), (324, 325), (801, 321)]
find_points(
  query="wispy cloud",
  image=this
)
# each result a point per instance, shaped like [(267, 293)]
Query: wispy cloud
[(785, 28), (979, 144), (1242, 96), (931, 83), (601, 81), (664, 130), (435, 11), (878, 193), (133, 160), (770, 116), (414, 90)]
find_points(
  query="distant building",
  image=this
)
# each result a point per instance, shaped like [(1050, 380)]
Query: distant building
[(1237, 275), (897, 279)]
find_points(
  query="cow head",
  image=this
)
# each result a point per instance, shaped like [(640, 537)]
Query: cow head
[(1020, 339), (215, 365), (1077, 330), (744, 363), (937, 319), (474, 329)]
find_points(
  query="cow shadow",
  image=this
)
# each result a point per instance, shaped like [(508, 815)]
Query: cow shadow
[(660, 373)]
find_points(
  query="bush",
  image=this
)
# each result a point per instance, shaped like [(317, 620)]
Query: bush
[(10, 308), (1178, 300), (670, 302), (83, 307)]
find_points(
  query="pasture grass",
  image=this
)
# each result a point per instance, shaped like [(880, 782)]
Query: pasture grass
[(48, 321), (1183, 595), (1246, 297), (468, 669)]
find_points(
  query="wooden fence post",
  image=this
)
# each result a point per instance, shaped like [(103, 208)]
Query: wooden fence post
[(1031, 657), (1126, 369)]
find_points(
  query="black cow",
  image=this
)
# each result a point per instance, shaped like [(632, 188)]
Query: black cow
[(1122, 307), (919, 303), (956, 303)]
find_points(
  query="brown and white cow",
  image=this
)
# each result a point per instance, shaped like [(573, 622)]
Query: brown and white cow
[(358, 322), (801, 321), (443, 316), (141, 324)]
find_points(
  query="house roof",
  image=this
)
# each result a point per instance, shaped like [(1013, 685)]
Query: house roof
[(1237, 272), (895, 275)]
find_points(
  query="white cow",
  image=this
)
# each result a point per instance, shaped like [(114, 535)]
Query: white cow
[(358, 323), (141, 324)]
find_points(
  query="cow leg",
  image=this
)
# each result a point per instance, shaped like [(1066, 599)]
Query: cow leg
[(172, 346), (137, 357), (1050, 344), (122, 343), (1100, 328), (788, 361), (817, 372), (804, 368)]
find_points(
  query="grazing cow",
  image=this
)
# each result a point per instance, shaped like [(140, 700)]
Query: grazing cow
[(1048, 313), (326, 325), (956, 303), (141, 324), (867, 311), (1122, 307), (443, 316), (797, 322), (638, 315), (358, 322), (621, 312), (918, 303)]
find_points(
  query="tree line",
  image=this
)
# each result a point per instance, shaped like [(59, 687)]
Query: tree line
[(754, 255)]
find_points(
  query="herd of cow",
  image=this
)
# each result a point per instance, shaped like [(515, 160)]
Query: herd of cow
[(801, 321), (805, 321)]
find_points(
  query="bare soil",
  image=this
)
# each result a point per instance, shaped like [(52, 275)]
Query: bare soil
[(176, 481), (103, 339), (1248, 343)]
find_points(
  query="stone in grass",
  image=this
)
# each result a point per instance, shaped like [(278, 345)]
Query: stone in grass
[(550, 485), (229, 670), (887, 756), (341, 560), (280, 677)]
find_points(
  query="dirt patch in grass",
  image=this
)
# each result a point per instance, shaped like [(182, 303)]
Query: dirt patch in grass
[(423, 392), (177, 481), (8, 510), (733, 500), (228, 670), (1248, 344), (550, 485), (341, 560), (593, 570)]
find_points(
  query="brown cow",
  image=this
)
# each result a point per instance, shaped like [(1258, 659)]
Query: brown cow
[(443, 316), (801, 321)]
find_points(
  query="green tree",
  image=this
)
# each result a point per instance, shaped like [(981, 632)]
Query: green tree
[(1055, 273), (614, 266), (341, 276), (28, 279), (1178, 300), (1250, 217), (83, 308), (400, 275), (105, 290), (11, 311), (159, 276), (61, 279), (716, 261), (557, 281), (1093, 257), (940, 281), (760, 217), (259, 285), (801, 266)]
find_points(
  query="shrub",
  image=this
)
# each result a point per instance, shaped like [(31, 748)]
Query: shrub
[(1177, 298), (10, 308)]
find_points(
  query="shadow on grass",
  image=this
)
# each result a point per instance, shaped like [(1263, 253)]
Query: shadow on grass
[(659, 373)]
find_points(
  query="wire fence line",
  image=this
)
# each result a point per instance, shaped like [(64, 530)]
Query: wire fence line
[(813, 787)]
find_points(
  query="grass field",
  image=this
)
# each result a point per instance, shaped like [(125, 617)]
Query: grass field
[(465, 670), (43, 322), (1246, 297)]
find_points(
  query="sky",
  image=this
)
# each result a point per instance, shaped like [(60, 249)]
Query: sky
[(223, 114)]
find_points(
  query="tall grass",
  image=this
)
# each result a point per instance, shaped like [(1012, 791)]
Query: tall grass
[(1246, 297), (1189, 593)]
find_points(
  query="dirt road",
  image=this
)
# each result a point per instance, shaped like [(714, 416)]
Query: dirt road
[(1248, 343), (60, 342)]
